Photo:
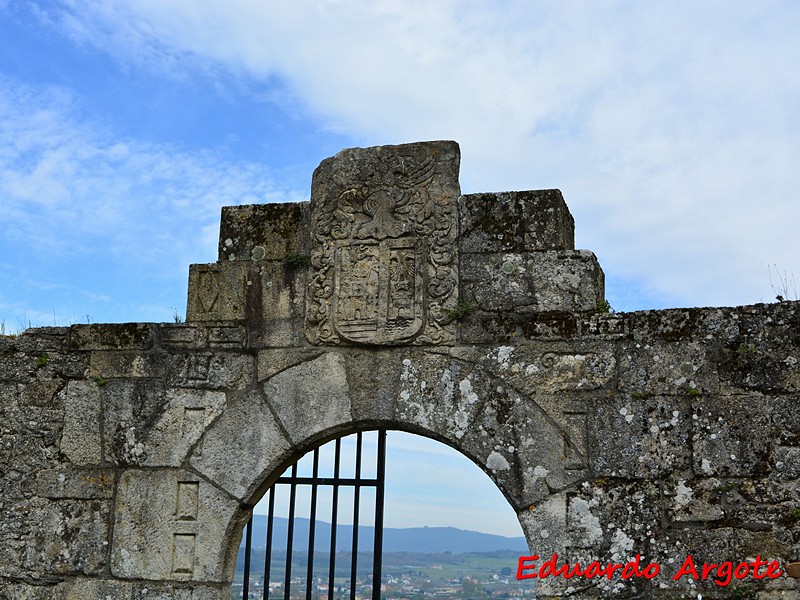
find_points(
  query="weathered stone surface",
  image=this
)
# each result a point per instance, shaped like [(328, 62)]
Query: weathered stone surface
[(522, 283), (436, 396), (606, 326), (16, 366), (272, 361), (8, 407), (81, 442), (731, 436), (213, 371), (488, 422), (751, 348), (62, 365), (640, 437), (787, 462), (768, 491), (263, 232), (785, 418), (384, 253), (42, 589), (152, 590), (374, 379), (515, 222), (217, 292), (715, 545), (16, 531), (29, 440), (652, 368), (70, 482), (189, 336), (312, 397), (545, 527), (185, 416), (184, 539), (42, 340), (113, 336), (131, 409), (44, 393), (482, 327), (553, 452), (278, 301), (83, 589), (68, 536), (127, 364), (757, 363), (569, 418), (247, 430), (550, 367), (600, 528), (696, 500)]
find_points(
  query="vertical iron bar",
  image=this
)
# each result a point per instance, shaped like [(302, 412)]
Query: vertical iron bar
[(290, 534), (357, 482), (312, 526), (356, 501), (268, 557), (334, 519), (248, 542), (377, 546)]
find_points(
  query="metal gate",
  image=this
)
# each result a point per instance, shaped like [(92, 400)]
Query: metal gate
[(315, 482)]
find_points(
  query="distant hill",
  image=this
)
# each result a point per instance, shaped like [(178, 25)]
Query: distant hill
[(412, 539)]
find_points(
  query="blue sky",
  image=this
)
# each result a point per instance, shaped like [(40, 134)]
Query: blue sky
[(427, 483), (672, 128)]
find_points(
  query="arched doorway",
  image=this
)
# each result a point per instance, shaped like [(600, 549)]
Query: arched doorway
[(449, 530), (457, 400)]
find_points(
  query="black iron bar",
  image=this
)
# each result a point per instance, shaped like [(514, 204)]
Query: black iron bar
[(356, 499), (334, 519), (290, 535), (335, 482), (268, 557), (311, 528), (248, 542), (377, 546)]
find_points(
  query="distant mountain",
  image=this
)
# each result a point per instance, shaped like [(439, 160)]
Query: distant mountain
[(412, 539)]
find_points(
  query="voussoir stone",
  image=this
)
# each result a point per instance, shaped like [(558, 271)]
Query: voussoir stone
[(311, 398), (242, 446)]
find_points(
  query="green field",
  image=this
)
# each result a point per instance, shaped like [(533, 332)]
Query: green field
[(407, 575)]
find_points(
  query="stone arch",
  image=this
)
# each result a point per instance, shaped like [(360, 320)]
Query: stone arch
[(431, 394)]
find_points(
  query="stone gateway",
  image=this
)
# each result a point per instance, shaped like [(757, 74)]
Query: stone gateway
[(132, 454)]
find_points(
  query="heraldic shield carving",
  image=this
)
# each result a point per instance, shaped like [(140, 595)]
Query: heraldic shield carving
[(384, 257)]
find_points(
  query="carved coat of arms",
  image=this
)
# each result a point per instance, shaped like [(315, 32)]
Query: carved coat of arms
[(384, 225)]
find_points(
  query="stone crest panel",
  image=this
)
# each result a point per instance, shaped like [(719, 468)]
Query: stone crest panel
[(384, 254), (378, 290)]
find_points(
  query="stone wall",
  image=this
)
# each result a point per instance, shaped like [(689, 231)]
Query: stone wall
[(131, 454)]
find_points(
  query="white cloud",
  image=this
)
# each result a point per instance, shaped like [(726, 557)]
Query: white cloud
[(671, 128), (122, 209)]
